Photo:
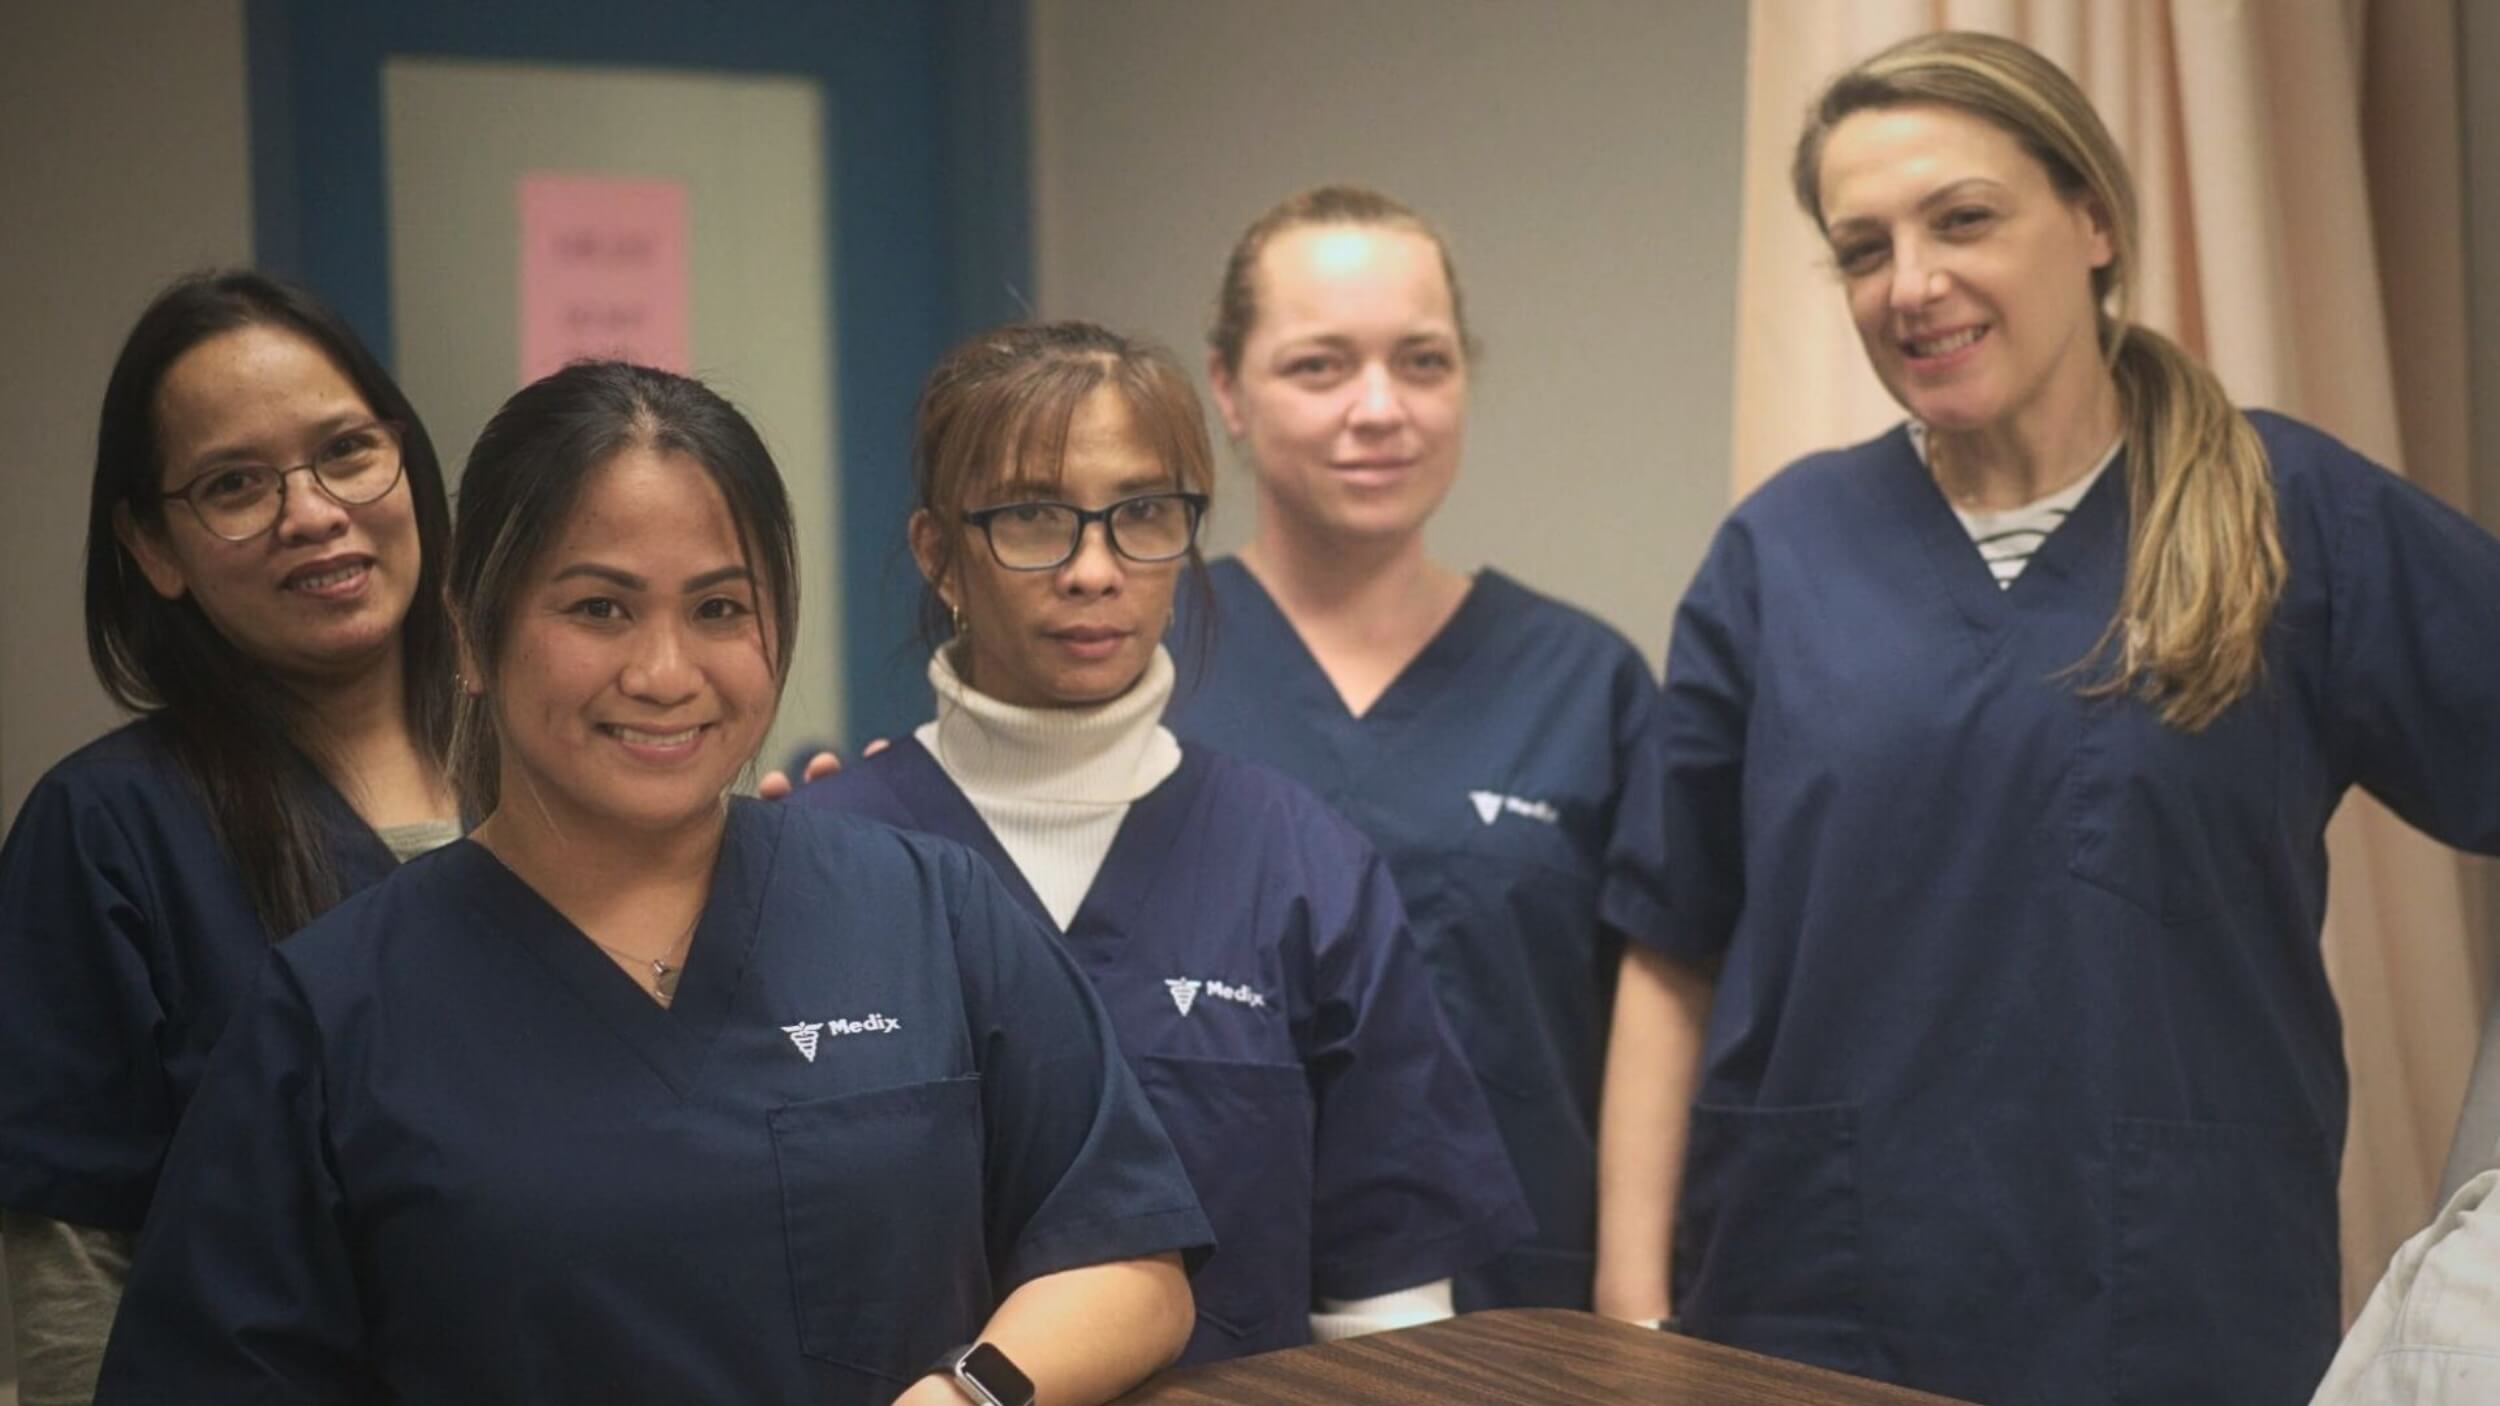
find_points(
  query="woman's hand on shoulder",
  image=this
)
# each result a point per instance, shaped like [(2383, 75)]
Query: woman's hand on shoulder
[(775, 784)]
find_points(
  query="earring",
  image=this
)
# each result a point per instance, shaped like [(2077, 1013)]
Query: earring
[(957, 612)]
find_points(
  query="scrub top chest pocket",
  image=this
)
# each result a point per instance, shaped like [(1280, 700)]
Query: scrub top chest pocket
[(1507, 939), (2163, 818), (1244, 1132), (882, 1204)]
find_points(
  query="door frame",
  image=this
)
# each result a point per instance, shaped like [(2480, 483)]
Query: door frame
[(928, 182)]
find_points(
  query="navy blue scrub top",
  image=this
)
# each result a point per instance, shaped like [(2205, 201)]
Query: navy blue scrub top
[(126, 938), (449, 1152), (1510, 777), (1255, 961), (2023, 1081)]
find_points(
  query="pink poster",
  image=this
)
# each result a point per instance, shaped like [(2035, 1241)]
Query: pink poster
[(603, 271)]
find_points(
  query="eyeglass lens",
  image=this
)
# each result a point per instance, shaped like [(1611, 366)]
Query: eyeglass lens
[(244, 501), (1156, 527)]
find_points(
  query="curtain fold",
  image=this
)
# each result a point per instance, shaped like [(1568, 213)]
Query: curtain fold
[(2299, 171)]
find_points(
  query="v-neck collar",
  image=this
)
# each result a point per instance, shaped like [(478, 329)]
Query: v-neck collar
[(2065, 561), (361, 853), (673, 1039), (1417, 686), (1130, 868)]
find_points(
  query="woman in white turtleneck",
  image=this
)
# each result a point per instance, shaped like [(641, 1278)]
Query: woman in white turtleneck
[(1247, 942)]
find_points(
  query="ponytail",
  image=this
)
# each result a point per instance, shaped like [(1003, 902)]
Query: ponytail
[(2204, 552)]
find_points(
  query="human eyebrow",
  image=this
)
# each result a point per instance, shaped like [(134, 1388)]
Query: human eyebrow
[(614, 576), (717, 576), (1322, 342), (1959, 190), (322, 431), (1859, 225)]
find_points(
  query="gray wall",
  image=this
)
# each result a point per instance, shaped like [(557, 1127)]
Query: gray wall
[(2480, 50), (124, 163), (1581, 155), (123, 158)]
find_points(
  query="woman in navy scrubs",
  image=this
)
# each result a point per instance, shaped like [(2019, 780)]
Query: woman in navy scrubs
[(2001, 750), (264, 591), (640, 1093), (1493, 744), (1247, 942)]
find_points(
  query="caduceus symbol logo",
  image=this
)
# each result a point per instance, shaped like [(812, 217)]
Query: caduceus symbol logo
[(804, 1035)]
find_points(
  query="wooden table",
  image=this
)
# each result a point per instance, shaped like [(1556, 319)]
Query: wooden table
[(1518, 1357)]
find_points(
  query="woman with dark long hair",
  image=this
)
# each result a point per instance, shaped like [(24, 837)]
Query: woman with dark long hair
[(263, 590), (642, 1093)]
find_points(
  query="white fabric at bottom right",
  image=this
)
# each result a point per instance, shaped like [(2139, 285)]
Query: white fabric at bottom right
[(2430, 1334)]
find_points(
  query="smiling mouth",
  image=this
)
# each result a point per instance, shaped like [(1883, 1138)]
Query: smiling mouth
[(1928, 348), (327, 581), (641, 737)]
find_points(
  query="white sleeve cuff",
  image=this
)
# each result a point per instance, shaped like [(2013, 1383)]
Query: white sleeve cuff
[(1400, 1308)]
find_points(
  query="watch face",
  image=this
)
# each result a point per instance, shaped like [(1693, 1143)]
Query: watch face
[(988, 1368)]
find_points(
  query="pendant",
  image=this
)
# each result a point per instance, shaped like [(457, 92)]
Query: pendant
[(664, 981)]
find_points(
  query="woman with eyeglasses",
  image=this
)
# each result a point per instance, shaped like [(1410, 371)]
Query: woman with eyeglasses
[(1491, 742), (263, 591), (1248, 942)]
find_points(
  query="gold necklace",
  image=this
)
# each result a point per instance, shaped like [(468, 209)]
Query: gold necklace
[(664, 972)]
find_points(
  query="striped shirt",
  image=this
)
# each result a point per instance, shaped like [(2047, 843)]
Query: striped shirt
[(2008, 537)]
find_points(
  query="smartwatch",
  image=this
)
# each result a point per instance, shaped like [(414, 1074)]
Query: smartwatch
[(983, 1374)]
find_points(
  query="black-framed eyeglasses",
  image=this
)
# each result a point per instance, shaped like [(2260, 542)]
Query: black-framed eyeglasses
[(355, 466), (1151, 527)]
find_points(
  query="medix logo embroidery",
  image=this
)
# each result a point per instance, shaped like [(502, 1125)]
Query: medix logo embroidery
[(1185, 991), (807, 1033), (1490, 805)]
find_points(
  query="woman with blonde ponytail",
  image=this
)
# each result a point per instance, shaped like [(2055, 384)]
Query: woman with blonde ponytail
[(2000, 753)]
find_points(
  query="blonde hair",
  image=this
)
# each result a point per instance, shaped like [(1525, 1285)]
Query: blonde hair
[(1237, 297), (2204, 552)]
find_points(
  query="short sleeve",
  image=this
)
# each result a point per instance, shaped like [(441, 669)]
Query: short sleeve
[(1078, 1169), (86, 1109), (1632, 893), (244, 1288), (2415, 611), (1700, 751), (1411, 1183)]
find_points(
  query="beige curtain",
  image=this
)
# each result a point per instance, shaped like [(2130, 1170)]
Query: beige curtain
[(2299, 170)]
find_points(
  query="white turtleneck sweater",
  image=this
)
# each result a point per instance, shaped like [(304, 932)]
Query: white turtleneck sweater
[(1053, 784)]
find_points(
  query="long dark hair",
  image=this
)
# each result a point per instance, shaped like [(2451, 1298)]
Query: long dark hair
[(527, 473), (245, 739)]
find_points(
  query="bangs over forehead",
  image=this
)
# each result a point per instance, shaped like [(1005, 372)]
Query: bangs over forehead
[(1010, 431)]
